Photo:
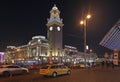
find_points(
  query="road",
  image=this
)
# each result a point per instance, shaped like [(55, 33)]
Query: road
[(78, 75)]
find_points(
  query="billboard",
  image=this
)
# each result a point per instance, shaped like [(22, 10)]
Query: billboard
[(1, 57)]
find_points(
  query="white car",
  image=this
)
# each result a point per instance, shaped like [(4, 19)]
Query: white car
[(7, 70)]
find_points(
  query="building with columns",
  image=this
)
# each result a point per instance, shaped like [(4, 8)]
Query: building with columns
[(36, 51), (39, 48), (42, 50)]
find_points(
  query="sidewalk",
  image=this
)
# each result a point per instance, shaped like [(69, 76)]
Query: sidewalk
[(99, 74), (105, 68)]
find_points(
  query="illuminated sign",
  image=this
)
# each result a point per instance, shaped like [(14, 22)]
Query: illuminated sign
[(115, 60), (1, 57), (112, 38)]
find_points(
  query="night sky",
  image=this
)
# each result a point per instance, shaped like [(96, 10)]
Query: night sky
[(20, 20)]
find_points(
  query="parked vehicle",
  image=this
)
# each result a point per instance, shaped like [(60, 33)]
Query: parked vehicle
[(7, 70), (82, 65), (34, 67), (54, 70)]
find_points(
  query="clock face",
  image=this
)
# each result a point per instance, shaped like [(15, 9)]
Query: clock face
[(58, 28), (55, 13), (51, 28)]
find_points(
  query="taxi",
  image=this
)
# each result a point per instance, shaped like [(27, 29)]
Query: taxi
[(54, 70)]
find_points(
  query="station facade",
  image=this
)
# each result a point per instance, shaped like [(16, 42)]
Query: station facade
[(41, 50)]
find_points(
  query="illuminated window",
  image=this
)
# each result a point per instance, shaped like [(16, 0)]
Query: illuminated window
[(58, 28), (51, 28)]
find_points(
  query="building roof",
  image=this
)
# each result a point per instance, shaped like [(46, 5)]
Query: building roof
[(112, 39)]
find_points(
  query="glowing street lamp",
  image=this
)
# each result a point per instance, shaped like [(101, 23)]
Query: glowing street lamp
[(88, 16), (81, 22), (84, 23)]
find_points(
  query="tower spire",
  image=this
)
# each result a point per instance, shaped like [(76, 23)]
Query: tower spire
[(54, 5), (54, 26), (55, 16)]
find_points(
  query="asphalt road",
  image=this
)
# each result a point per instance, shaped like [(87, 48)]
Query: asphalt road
[(78, 75)]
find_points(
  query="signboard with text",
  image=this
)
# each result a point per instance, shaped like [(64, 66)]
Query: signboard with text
[(115, 57)]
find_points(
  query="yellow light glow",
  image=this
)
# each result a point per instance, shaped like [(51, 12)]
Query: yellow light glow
[(18, 49), (81, 22), (88, 16), (91, 50)]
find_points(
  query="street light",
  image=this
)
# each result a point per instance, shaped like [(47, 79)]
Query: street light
[(84, 22), (50, 57), (88, 16)]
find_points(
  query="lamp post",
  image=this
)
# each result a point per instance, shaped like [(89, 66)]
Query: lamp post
[(84, 23), (50, 57), (90, 57)]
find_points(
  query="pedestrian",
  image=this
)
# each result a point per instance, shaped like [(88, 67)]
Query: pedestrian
[(112, 65), (93, 66), (102, 63), (107, 64)]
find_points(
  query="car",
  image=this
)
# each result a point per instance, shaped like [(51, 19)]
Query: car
[(7, 70), (54, 70), (34, 67), (82, 65), (73, 66)]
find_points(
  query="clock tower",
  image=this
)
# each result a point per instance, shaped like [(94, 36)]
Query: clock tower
[(54, 33)]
